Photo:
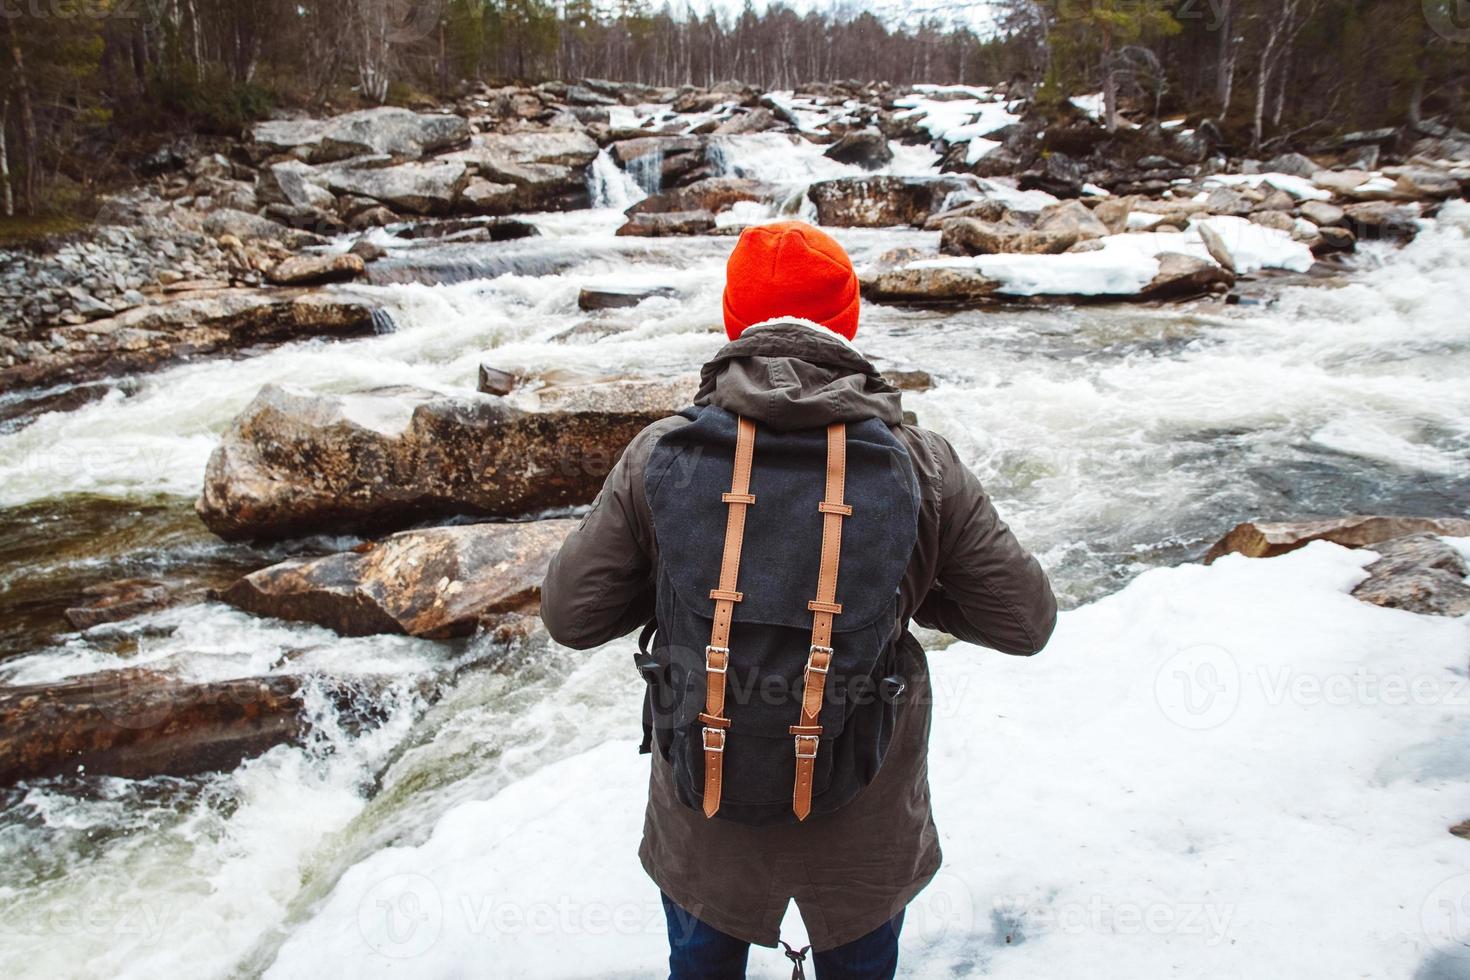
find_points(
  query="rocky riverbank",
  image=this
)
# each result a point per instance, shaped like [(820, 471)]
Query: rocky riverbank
[(290, 234)]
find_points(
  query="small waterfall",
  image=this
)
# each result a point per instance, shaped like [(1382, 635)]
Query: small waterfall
[(383, 322), (647, 171), (611, 187)]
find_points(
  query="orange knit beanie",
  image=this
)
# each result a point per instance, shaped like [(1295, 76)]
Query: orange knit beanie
[(790, 269)]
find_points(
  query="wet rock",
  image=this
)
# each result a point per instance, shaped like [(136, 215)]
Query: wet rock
[(1186, 275), (395, 132), (493, 381), (909, 380), (1419, 573), (440, 582), (1379, 220), (667, 224), (611, 298), (930, 286), (313, 270), (866, 148), (367, 251), (882, 202), (137, 723), (714, 194), (296, 462), (123, 599), (195, 325), (1335, 240), (415, 188), (1266, 539), (656, 162)]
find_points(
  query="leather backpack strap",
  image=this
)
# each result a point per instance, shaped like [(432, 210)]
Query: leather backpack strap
[(824, 607), (717, 654)]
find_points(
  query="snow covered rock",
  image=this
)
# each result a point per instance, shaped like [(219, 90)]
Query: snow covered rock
[(1266, 539), (1420, 573), (438, 582)]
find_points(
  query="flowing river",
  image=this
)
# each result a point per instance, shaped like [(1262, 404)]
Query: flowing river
[(1113, 438)]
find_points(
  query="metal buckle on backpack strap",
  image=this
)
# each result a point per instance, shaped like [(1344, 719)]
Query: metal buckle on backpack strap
[(714, 731), (811, 658), (709, 659), (816, 744)]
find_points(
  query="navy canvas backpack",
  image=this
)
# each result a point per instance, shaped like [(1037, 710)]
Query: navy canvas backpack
[(772, 665)]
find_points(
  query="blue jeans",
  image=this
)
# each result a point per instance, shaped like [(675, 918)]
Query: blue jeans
[(701, 952)]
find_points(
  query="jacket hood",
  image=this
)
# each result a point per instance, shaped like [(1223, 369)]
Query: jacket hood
[(787, 375)]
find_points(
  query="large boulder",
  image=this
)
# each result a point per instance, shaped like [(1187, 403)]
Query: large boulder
[(416, 188), (313, 270), (1295, 164), (1379, 220), (930, 286), (296, 462), (866, 148), (138, 723), (548, 169), (881, 202), (1266, 539), (1183, 275), (971, 236), (439, 582), (147, 338), (399, 133), (1420, 573), (294, 183)]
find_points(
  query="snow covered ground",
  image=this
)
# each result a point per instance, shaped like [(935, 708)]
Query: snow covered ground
[(1226, 771)]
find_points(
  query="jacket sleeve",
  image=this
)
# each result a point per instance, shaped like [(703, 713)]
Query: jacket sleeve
[(600, 586), (988, 589)]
